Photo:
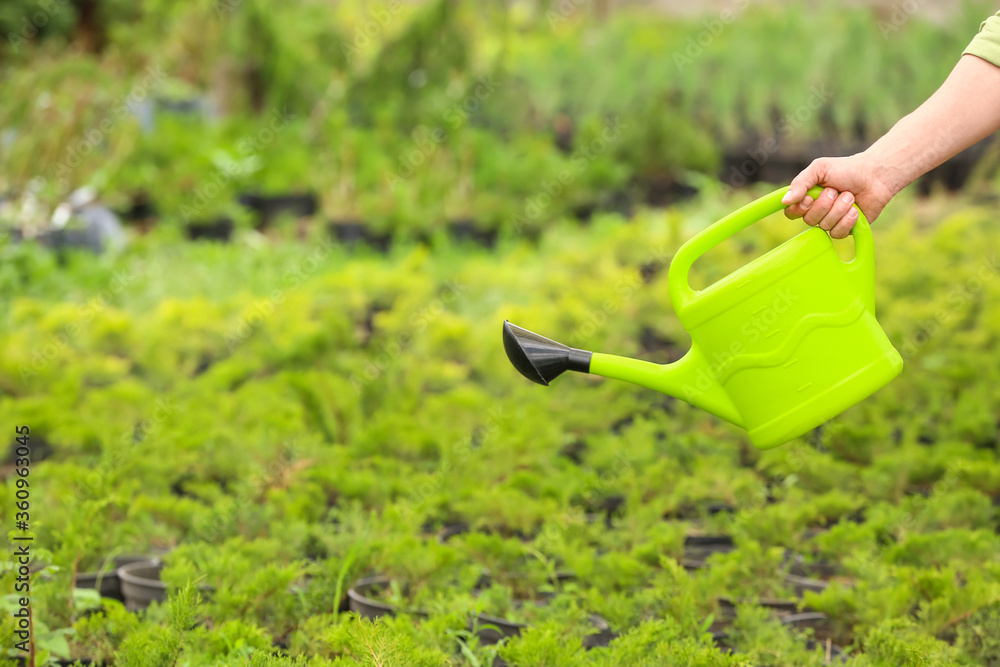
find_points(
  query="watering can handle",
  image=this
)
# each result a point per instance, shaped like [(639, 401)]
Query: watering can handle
[(861, 268)]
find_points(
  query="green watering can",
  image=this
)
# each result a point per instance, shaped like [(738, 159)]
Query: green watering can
[(778, 347)]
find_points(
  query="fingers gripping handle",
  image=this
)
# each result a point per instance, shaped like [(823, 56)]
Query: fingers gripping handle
[(861, 268)]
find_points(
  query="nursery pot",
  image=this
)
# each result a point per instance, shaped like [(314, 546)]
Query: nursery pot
[(778, 604), (352, 232), (106, 583), (805, 584), (604, 635), (818, 621), (141, 585), (141, 209), (695, 511), (110, 584), (219, 229), (490, 629), (834, 652), (814, 570), (698, 548), (450, 530), (127, 559), (360, 603), (269, 207), (466, 229)]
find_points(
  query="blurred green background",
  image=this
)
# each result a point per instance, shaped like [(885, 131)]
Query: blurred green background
[(254, 261), (408, 117)]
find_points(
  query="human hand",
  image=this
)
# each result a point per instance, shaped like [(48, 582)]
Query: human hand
[(846, 180)]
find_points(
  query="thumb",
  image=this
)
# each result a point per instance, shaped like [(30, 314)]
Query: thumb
[(801, 184)]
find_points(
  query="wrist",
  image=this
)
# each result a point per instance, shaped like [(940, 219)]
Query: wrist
[(885, 170)]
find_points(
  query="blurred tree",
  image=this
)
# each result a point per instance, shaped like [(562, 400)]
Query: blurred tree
[(409, 70), (23, 22), (84, 22)]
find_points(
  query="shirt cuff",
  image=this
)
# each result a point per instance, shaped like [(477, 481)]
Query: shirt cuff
[(986, 44)]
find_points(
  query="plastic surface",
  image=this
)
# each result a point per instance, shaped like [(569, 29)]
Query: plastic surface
[(540, 359), (780, 345), (140, 584), (105, 583)]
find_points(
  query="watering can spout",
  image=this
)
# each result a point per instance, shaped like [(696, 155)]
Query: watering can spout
[(542, 360)]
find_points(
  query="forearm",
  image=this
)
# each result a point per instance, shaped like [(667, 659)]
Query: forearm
[(963, 111)]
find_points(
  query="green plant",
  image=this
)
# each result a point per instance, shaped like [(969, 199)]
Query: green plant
[(99, 636), (749, 571), (979, 636), (660, 642), (896, 642), (385, 641), (763, 640), (544, 644), (164, 644)]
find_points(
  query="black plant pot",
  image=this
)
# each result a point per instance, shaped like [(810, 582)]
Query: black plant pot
[(110, 584), (823, 570), (574, 451), (780, 605), (714, 542), (270, 207), (817, 621), (141, 585), (785, 610), (664, 190), (450, 530), (127, 559), (602, 637), (106, 583), (698, 511), (141, 209), (466, 230), (607, 508), (219, 229), (835, 653), (490, 629), (359, 602), (698, 549), (353, 232), (584, 212), (804, 584), (39, 446)]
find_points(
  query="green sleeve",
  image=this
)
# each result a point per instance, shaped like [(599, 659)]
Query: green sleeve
[(986, 44)]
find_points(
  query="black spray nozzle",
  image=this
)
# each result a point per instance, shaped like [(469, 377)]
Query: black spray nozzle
[(539, 359)]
